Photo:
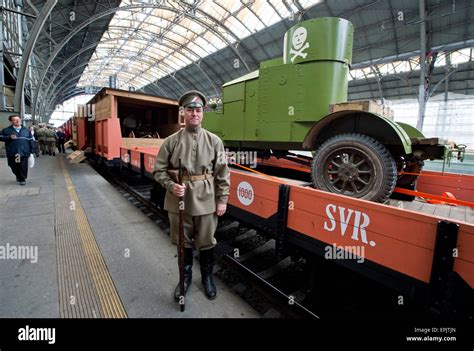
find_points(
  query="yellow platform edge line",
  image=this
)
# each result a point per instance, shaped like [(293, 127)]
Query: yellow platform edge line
[(109, 299)]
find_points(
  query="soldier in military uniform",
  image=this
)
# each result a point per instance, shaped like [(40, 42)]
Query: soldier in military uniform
[(51, 140), (41, 137), (205, 187)]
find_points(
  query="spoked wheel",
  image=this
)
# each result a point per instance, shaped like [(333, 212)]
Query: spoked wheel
[(355, 165)]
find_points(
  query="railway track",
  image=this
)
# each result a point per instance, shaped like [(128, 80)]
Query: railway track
[(246, 260)]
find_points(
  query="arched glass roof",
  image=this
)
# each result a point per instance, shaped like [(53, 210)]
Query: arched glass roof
[(144, 45)]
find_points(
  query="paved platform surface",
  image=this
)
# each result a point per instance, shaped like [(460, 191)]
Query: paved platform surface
[(72, 246)]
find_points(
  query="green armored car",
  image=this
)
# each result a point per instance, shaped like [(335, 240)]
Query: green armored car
[(299, 102)]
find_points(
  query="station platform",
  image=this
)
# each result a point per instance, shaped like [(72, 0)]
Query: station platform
[(71, 246)]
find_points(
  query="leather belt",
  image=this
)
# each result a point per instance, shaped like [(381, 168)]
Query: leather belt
[(173, 173), (197, 177)]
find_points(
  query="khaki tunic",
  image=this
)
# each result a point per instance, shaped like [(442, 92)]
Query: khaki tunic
[(201, 152), (50, 135), (42, 134)]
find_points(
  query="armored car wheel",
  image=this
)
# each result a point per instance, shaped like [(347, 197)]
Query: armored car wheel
[(355, 165)]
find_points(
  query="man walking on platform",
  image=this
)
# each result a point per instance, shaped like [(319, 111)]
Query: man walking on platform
[(61, 140), (19, 144)]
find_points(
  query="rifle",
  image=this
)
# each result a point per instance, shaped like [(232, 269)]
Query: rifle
[(181, 241)]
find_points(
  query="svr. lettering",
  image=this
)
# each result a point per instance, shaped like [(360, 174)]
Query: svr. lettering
[(331, 212)]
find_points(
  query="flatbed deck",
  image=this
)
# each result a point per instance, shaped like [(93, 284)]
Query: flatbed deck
[(402, 241), (443, 211)]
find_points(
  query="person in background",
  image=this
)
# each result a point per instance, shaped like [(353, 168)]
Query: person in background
[(33, 128), (41, 135), (50, 140), (61, 140), (19, 144)]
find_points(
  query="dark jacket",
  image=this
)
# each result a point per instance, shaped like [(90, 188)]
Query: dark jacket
[(24, 144), (61, 136)]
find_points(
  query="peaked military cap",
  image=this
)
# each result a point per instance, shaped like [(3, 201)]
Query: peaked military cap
[(192, 98)]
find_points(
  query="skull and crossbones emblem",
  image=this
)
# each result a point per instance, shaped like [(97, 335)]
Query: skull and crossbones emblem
[(298, 39)]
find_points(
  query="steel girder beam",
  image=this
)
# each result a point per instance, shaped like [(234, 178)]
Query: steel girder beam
[(25, 59), (65, 63), (99, 70), (445, 78), (459, 44), (2, 73), (217, 22), (422, 88), (152, 58), (82, 90), (367, 79), (254, 13), (88, 29), (70, 94), (407, 55), (405, 80), (46, 103), (72, 88), (127, 8), (60, 83), (378, 76), (71, 83), (275, 9), (180, 45), (214, 31), (86, 63), (172, 75), (99, 59), (153, 89), (168, 28), (243, 24), (35, 10), (150, 65), (300, 9), (65, 96), (236, 12), (174, 32), (288, 7)]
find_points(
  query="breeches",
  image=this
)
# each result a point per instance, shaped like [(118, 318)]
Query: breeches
[(198, 230)]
